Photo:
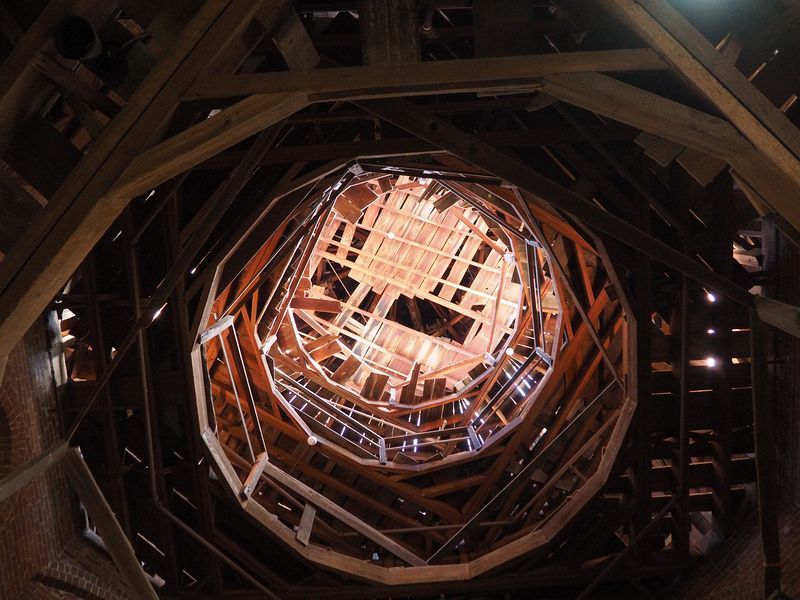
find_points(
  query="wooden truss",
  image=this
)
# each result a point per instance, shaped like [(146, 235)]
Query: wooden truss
[(438, 325), (418, 425)]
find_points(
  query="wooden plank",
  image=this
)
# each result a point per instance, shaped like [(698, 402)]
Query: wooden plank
[(343, 515), (347, 209), (118, 546), (361, 195), (407, 394), (81, 210), (347, 369), (389, 31), (306, 524), (702, 167), (254, 476), (496, 307), (294, 43), (330, 348), (320, 342), (660, 150), (434, 77), (216, 329), (427, 390), (374, 386), (316, 305), (24, 474), (714, 76)]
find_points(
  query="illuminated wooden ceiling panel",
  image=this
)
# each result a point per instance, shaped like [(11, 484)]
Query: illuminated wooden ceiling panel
[(422, 327)]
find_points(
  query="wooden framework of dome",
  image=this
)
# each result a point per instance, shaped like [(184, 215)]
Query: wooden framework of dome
[(604, 192)]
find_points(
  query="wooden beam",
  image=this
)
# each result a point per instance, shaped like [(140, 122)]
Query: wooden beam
[(343, 515), (294, 43), (255, 474), (389, 31), (673, 121), (306, 524), (649, 112), (216, 329), (202, 141), (407, 394), (434, 77), (497, 301), (118, 546), (403, 114), (81, 210), (316, 305), (768, 489), (24, 474), (713, 75)]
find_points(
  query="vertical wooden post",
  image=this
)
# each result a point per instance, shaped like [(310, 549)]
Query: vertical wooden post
[(639, 343), (765, 457), (389, 31), (682, 523)]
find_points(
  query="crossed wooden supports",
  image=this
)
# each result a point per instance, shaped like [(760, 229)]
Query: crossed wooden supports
[(86, 487), (124, 163), (761, 146)]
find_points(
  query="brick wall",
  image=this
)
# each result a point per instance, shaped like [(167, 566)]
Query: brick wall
[(36, 522), (5, 444), (40, 556), (79, 571), (734, 571)]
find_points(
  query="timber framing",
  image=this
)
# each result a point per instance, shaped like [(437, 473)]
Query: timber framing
[(485, 315)]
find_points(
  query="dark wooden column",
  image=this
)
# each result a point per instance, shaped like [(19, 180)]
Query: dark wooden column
[(389, 31)]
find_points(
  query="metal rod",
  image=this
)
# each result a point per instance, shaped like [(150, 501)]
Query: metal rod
[(519, 478), (133, 268), (601, 576), (220, 201), (661, 210), (579, 306), (218, 553), (236, 395), (683, 439), (251, 399)]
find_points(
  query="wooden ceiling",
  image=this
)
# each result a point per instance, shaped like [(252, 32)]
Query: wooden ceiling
[(331, 378), (425, 304)]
